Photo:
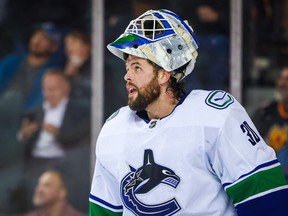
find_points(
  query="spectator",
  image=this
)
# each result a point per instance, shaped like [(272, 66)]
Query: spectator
[(57, 134), (78, 66), (272, 120), (55, 126), (21, 15), (50, 196), (22, 73), (20, 90)]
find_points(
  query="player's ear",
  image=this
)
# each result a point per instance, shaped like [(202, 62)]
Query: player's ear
[(163, 76)]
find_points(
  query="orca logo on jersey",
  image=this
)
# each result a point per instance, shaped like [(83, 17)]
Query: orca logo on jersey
[(144, 179), (219, 99)]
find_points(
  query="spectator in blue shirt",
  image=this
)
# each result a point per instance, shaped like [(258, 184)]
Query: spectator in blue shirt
[(21, 73)]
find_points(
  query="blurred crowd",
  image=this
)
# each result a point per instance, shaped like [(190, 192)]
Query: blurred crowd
[(45, 105), (46, 89)]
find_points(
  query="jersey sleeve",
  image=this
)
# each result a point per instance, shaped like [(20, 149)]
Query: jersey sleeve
[(103, 199), (247, 167)]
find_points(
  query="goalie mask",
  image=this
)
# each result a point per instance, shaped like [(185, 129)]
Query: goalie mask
[(163, 38)]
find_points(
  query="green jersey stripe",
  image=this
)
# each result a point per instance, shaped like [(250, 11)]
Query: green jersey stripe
[(95, 209), (257, 183)]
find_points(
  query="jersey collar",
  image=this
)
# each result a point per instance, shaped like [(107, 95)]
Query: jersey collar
[(143, 114)]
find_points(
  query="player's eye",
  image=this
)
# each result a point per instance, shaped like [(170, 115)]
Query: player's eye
[(138, 68)]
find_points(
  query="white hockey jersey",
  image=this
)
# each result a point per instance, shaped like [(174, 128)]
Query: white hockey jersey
[(205, 158)]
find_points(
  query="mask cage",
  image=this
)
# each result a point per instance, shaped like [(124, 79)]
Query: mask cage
[(151, 26)]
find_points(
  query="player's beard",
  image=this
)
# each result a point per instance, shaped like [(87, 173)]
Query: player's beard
[(146, 95)]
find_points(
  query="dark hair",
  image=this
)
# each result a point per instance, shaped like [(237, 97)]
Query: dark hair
[(82, 36), (61, 175), (280, 69), (176, 88), (283, 67)]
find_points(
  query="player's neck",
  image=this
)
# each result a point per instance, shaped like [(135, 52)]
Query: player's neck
[(162, 107)]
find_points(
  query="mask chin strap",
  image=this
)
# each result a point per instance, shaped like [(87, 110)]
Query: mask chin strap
[(178, 75)]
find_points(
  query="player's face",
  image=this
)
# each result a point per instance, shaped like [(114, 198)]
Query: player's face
[(142, 83), (282, 84)]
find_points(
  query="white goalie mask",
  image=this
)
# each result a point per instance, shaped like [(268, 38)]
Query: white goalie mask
[(162, 37)]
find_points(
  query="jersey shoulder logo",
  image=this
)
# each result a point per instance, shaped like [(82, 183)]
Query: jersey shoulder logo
[(142, 180), (219, 99)]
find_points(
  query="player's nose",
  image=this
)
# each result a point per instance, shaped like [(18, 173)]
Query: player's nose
[(127, 76)]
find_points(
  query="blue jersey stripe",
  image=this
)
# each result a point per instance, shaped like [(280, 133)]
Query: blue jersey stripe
[(254, 170), (97, 199), (268, 205)]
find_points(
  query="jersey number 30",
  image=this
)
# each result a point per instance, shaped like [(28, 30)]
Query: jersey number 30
[(253, 138)]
